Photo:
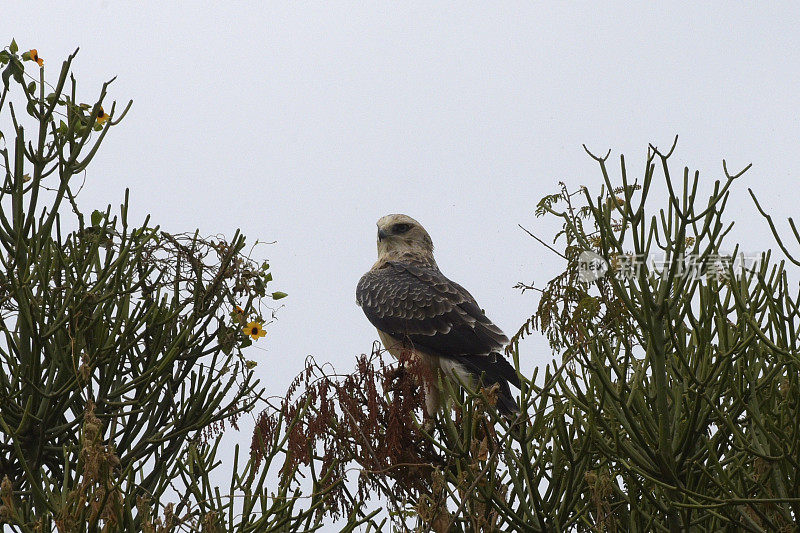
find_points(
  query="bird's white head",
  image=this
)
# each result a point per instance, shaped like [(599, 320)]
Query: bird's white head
[(401, 235)]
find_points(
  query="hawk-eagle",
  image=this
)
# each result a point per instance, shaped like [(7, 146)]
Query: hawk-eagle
[(416, 308)]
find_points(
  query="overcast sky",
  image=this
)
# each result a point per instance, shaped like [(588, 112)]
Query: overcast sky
[(303, 123)]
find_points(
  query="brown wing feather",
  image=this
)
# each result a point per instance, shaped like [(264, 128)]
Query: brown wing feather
[(416, 303)]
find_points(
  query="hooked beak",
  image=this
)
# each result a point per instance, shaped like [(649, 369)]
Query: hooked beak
[(382, 234)]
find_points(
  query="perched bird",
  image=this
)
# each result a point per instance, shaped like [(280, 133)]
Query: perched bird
[(415, 308)]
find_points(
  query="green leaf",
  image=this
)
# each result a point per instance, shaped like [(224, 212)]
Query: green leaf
[(7, 75), (4, 57), (278, 295), (31, 86), (26, 56), (13, 46), (97, 217), (17, 68)]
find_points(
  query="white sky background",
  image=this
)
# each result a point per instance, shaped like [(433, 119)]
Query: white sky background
[(303, 124)]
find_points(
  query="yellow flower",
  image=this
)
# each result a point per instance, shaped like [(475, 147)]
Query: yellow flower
[(35, 57), (255, 330), (238, 310), (102, 116)]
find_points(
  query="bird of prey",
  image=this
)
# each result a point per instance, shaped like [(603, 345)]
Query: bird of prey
[(417, 309)]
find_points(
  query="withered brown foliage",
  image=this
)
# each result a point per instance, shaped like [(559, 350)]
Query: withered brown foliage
[(368, 419), (368, 432), (97, 497)]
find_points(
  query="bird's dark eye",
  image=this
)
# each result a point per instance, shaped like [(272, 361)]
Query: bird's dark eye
[(397, 229)]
